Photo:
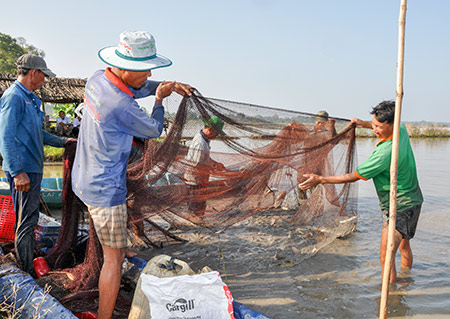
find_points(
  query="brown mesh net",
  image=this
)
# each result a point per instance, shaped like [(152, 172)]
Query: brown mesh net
[(265, 153)]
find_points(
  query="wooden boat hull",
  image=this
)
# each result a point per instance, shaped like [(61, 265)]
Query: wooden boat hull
[(51, 190)]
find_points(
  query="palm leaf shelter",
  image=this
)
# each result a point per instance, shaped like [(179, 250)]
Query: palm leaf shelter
[(54, 90)]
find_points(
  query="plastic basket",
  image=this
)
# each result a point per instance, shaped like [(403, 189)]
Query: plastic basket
[(7, 219)]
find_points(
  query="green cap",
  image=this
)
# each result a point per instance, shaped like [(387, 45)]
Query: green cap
[(216, 123), (322, 116)]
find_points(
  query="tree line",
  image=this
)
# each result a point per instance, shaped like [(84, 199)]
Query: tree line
[(11, 49)]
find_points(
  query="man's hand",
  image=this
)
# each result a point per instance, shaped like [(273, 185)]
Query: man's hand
[(312, 181), (70, 140), (182, 89), (22, 182), (361, 123), (164, 89), (357, 121)]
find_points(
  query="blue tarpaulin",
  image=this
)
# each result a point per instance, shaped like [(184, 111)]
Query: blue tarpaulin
[(242, 312), (20, 294)]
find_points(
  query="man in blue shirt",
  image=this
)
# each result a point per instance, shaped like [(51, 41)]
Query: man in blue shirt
[(111, 117), (21, 145)]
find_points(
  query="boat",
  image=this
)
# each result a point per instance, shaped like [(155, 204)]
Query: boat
[(51, 190), (52, 187)]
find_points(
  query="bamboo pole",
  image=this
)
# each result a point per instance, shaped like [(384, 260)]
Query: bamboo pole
[(390, 258)]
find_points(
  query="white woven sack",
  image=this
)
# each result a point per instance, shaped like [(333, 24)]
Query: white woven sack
[(202, 296)]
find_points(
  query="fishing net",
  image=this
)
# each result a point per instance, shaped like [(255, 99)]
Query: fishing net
[(265, 153)]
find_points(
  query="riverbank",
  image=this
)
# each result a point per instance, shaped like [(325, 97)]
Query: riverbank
[(54, 154), (414, 131)]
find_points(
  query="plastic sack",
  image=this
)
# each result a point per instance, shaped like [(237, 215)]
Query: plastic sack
[(242, 312), (202, 296), (157, 266)]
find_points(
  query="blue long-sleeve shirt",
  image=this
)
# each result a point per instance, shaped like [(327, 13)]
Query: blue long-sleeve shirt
[(111, 117), (22, 138)]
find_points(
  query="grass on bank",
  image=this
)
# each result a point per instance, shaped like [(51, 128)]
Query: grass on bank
[(53, 154), (429, 131)]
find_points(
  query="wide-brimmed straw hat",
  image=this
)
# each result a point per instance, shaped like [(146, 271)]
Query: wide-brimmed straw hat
[(136, 52)]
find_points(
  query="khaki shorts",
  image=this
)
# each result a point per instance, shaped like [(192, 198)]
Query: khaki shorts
[(110, 224)]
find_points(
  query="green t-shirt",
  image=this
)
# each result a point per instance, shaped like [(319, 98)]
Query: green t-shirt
[(377, 167)]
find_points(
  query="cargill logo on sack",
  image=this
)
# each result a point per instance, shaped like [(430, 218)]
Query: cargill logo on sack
[(180, 305)]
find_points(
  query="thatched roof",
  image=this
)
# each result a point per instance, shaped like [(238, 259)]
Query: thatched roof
[(54, 90)]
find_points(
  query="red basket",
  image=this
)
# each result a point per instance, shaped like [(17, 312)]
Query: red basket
[(7, 219)]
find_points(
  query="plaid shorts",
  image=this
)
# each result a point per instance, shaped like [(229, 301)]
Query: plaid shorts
[(405, 222), (110, 224)]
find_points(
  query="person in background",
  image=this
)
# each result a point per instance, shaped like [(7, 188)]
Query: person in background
[(76, 125), (323, 124), (111, 117), (22, 140), (200, 164), (63, 124), (46, 123), (324, 129), (377, 167)]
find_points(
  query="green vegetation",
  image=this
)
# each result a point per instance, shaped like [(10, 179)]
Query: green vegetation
[(429, 131), (69, 109), (11, 49), (53, 154), (415, 131)]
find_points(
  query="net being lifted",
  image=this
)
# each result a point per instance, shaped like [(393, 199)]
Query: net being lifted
[(265, 153)]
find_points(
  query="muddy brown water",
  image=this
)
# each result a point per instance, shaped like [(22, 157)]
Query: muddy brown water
[(342, 280)]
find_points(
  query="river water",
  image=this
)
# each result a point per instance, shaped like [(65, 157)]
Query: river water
[(343, 280)]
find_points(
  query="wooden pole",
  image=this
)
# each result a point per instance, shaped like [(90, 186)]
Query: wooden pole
[(390, 258)]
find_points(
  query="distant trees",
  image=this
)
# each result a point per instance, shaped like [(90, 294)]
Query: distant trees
[(11, 49)]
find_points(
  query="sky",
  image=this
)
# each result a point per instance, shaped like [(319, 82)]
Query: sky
[(302, 55)]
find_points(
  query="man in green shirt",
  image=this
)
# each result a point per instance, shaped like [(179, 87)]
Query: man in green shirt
[(377, 167)]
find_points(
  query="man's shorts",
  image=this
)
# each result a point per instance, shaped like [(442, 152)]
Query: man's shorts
[(405, 222), (110, 224)]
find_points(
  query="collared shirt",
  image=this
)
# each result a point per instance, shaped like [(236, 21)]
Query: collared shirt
[(22, 138), (377, 167), (111, 117), (65, 120), (76, 122)]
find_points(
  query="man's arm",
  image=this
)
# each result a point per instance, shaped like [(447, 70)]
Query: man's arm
[(314, 180), (361, 123), (52, 140)]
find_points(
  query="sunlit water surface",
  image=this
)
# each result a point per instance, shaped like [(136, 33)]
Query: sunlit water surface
[(344, 279)]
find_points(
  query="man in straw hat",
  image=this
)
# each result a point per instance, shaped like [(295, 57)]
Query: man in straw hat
[(22, 140), (111, 117), (201, 164), (377, 167)]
